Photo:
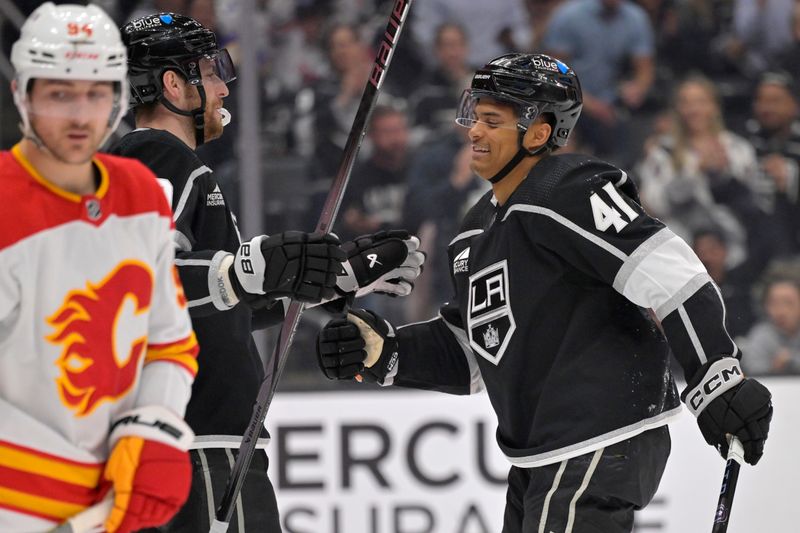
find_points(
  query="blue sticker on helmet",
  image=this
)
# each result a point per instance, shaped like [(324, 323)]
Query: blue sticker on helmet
[(166, 19), (562, 67)]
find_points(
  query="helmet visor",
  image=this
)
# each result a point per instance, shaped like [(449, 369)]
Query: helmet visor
[(468, 114), (73, 99), (220, 65)]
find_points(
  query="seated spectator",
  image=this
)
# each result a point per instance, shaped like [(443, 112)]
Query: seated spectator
[(734, 282), (601, 39), (762, 30), (773, 345), (701, 174), (774, 131)]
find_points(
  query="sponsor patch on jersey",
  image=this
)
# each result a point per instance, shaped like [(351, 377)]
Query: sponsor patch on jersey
[(461, 262), (490, 322), (215, 198)]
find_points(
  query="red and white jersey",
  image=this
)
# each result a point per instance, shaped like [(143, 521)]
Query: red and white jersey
[(93, 322)]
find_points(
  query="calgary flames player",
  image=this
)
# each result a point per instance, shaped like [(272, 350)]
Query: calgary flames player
[(97, 353)]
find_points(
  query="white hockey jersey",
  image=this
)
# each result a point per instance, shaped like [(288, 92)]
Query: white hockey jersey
[(93, 322)]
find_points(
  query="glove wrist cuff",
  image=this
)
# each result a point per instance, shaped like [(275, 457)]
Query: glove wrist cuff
[(154, 423), (719, 377)]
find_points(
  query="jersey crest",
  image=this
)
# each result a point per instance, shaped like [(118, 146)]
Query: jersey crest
[(490, 321), (99, 360)]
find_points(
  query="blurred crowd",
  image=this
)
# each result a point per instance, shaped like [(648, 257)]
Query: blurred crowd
[(696, 98)]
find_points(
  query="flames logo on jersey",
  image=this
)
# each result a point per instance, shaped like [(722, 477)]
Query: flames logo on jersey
[(96, 327)]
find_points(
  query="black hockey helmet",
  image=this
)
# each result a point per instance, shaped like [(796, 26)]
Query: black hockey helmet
[(534, 84), (170, 41)]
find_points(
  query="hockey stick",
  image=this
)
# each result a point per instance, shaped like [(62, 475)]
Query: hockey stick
[(274, 369), (89, 520), (728, 489)]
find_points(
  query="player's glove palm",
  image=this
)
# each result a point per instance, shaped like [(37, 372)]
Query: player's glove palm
[(363, 346), (149, 469), (386, 262), (726, 403), (292, 264)]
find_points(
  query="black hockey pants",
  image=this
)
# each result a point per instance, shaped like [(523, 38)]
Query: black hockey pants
[(593, 493), (256, 507)]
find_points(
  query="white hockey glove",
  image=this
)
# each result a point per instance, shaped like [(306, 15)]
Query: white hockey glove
[(386, 262), (362, 347), (293, 264), (725, 402)]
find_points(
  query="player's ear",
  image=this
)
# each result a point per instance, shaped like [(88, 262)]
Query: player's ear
[(172, 85), (537, 135)]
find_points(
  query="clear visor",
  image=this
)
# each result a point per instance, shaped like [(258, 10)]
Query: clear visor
[(493, 116), (66, 99), (220, 65)]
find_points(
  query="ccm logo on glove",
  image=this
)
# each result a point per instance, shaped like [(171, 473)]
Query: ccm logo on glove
[(723, 375)]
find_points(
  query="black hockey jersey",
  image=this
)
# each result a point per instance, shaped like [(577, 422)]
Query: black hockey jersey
[(230, 369), (550, 315)]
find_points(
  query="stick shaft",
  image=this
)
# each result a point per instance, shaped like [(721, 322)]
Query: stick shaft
[(88, 520), (275, 368), (728, 488)]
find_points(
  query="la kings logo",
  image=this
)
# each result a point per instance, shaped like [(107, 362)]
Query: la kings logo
[(490, 322)]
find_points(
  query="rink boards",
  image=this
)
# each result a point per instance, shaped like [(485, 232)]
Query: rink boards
[(395, 461)]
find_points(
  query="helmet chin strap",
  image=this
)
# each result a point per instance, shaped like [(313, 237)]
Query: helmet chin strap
[(521, 154), (197, 114)]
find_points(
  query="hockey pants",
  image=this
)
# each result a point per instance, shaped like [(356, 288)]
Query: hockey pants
[(592, 493)]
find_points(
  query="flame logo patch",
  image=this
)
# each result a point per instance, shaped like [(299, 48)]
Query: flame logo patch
[(96, 327)]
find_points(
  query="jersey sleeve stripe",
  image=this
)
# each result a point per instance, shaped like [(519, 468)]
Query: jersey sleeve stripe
[(638, 256), (182, 242), (35, 462), (734, 348), (687, 324), (465, 235), (661, 274), (613, 250), (187, 189), (681, 295), (200, 301)]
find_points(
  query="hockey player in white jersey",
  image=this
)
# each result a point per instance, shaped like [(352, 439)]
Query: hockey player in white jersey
[(554, 271), (97, 353)]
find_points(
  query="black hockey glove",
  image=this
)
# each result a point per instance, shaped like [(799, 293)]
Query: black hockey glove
[(386, 262), (725, 402), (293, 264), (363, 347)]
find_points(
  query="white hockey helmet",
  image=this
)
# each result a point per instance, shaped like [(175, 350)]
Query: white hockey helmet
[(70, 42)]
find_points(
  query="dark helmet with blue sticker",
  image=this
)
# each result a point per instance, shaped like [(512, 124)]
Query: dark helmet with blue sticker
[(534, 84), (169, 41)]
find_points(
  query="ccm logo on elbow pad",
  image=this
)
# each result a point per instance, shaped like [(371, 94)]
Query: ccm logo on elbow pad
[(721, 376)]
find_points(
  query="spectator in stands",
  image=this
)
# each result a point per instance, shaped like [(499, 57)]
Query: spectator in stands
[(773, 345), (605, 41), (493, 27), (789, 60), (762, 30), (701, 174), (435, 100), (327, 110), (734, 283), (774, 131), (374, 197)]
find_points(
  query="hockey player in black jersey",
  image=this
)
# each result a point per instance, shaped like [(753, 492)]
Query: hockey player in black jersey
[(555, 271), (178, 78)]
